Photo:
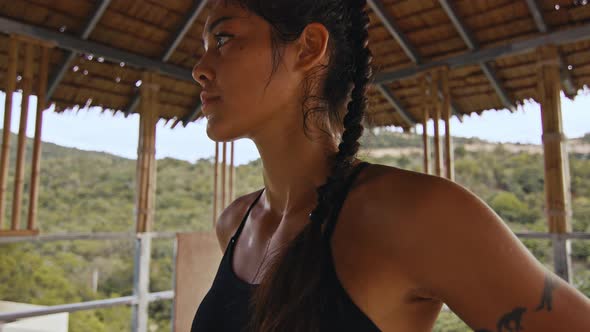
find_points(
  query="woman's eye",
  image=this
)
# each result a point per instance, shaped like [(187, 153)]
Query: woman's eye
[(221, 39)]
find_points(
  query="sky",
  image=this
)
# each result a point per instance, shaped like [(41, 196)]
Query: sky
[(89, 129)]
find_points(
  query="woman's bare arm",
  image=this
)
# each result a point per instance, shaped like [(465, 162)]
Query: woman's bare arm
[(466, 255)]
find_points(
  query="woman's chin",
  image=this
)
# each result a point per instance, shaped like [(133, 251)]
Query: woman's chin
[(216, 132)]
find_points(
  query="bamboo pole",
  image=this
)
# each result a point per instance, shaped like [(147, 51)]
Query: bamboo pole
[(142, 158), (425, 117), (558, 202), (436, 107), (223, 171), (36, 163), (231, 172), (153, 119), (139, 168), (557, 178), (446, 111), (22, 131), (10, 87), (215, 184), (146, 154)]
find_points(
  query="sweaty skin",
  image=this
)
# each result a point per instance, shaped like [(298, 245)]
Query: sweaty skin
[(404, 241)]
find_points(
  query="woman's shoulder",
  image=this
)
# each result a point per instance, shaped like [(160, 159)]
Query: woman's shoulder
[(384, 187), (230, 218), (398, 205)]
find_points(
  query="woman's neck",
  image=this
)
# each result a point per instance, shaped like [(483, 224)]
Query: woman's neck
[(294, 166)]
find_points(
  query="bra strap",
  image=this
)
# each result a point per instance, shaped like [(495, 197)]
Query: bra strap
[(339, 201), (239, 230)]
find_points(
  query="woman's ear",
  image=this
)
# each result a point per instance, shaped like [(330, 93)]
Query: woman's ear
[(312, 47)]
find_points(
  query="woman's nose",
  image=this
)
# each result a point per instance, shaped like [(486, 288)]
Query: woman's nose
[(202, 74)]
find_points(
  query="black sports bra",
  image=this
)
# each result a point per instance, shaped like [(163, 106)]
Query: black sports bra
[(225, 308)]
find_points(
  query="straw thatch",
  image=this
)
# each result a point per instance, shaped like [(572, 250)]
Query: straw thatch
[(147, 28)]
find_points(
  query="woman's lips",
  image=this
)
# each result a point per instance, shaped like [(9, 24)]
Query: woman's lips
[(207, 101)]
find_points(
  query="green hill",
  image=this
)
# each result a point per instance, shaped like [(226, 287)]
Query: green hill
[(83, 191)]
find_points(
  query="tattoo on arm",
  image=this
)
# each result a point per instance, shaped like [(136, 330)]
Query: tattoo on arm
[(511, 322), (547, 297)]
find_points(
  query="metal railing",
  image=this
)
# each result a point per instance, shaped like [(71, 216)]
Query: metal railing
[(141, 297)]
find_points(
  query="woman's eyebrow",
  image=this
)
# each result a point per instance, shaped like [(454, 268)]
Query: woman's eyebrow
[(216, 23)]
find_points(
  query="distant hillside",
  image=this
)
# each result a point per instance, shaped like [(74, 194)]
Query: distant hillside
[(385, 143), (84, 191)]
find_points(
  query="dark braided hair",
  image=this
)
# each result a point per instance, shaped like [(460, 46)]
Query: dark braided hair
[(294, 293)]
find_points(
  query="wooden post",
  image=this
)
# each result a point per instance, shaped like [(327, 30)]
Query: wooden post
[(446, 112), (215, 185), (231, 172), (557, 182), (27, 84), (425, 117), (223, 171), (146, 177), (36, 163), (10, 87), (436, 107)]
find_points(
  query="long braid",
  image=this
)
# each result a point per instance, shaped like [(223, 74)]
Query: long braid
[(295, 292), (353, 128)]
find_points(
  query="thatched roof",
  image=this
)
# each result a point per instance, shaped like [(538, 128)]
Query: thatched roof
[(488, 45)]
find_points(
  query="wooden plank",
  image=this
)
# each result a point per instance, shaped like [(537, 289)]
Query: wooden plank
[(27, 84), (197, 259), (10, 87), (19, 232), (36, 162)]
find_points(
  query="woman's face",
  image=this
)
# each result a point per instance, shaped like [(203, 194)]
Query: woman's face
[(240, 96)]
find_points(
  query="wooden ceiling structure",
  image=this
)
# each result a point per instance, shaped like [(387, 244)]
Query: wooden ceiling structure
[(102, 47)]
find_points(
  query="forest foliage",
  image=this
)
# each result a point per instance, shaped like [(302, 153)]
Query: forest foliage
[(83, 191)]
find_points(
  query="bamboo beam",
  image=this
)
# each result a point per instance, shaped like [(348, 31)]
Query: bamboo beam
[(36, 163), (436, 107), (472, 43), (64, 41), (146, 154), (231, 172), (10, 87), (448, 143), (223, 171), (391, 26), (69, 56), (446, 111), (554, 142), (386, 92), (194, 12), (27, 84), (215, 184), (425, 117), (476, 56), (155, 101), (566, 78), (557, 178)]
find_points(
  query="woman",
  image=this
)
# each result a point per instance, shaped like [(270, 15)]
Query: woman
[(292, 76)]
